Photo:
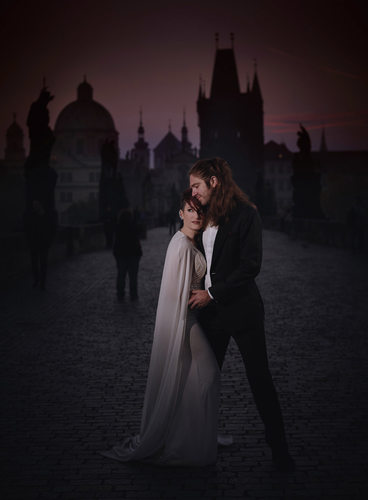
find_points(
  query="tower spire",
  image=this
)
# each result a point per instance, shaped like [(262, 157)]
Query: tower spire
[(256, 89), (185, 144), (140, 128), (217, 40), (140, 153), (85, 90)]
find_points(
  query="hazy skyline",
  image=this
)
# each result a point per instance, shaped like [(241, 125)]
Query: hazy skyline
[(311, 63)]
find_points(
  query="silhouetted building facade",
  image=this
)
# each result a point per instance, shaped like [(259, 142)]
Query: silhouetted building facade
[(165, 150), (81, 129), (169, 178), (231, 122), (344, 183), (134, 169)]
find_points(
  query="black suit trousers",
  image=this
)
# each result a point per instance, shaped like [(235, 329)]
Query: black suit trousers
[(252, 346)]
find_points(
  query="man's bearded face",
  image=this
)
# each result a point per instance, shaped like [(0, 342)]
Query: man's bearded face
[(200, 189)]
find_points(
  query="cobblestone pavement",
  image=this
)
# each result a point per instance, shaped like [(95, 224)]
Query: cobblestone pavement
[(74, 362)]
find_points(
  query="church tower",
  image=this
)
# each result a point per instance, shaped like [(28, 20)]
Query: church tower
[(185, 144), (141, 153), (231, 121)]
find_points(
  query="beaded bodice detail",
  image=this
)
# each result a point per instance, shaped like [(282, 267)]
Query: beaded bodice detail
[(199, 270)]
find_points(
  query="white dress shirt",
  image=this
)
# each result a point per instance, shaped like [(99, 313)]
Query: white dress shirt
[(208, 238)]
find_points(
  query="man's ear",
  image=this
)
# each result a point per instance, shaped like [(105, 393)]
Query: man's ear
[(213, 181)]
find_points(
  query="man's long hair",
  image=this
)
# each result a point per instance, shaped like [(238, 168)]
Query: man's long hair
[(226, 194), (187, 198)]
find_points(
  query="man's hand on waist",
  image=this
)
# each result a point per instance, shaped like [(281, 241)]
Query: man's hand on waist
[(199, 299)]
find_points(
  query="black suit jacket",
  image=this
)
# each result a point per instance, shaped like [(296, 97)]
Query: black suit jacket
[(236, 261), (126, 243)]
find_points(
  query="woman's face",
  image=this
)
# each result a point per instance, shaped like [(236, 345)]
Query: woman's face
[(191, 218)]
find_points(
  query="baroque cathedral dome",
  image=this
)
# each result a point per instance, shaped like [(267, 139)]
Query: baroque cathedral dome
[(81, 129), (84, 113)]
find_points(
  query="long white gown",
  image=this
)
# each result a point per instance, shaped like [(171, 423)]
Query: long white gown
[(180, 411)]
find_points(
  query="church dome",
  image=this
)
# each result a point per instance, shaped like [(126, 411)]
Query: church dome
[(84, 114), (14, 130), (14, 150)]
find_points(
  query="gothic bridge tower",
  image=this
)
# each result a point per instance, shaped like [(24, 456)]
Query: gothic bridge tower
[(231, 121)]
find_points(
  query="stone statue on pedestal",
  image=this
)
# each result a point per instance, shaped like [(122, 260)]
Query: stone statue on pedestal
[(40, 217), (306, 180)]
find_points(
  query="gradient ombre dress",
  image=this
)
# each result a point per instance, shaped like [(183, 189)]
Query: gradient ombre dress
[(180, 412)]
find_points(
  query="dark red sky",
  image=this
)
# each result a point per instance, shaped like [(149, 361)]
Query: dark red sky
[(312, 62)]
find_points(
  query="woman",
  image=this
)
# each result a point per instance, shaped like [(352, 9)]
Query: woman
[(179, 421)]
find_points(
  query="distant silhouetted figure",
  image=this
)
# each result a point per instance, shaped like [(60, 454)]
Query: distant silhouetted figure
[(140, 220), (127, 252), (40, 217), (109, 223), (112, 196), (40, 226)]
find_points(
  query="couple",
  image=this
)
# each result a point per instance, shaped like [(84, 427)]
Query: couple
[(194, 325)]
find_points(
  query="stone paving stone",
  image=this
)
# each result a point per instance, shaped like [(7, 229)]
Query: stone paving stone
[(73, 367)]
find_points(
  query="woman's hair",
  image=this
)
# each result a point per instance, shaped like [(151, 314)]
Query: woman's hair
[(226, 194), (187, 198)]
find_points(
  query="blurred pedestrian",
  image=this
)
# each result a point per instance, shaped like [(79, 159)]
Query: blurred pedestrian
[(127, 252), (40, 226)]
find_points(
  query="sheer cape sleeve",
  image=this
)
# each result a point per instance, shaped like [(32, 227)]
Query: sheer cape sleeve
[(165, 365)]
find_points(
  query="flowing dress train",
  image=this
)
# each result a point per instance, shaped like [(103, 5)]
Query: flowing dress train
[(180, 411)]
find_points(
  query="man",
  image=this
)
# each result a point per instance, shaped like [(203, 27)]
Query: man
[(231, 304), (127, 251)]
